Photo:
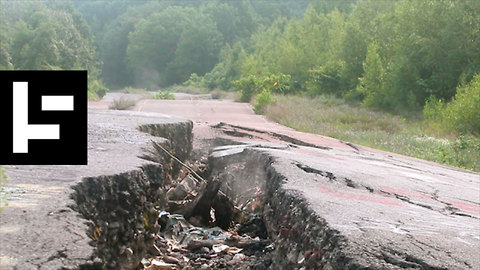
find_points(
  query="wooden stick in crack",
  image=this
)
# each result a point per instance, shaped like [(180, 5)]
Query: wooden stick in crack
[(158, 146), (202, 203)]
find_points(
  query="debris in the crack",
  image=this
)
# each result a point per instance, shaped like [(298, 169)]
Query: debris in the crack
[(203, 228), (224, 211), (200, 206), (254, 227), (181, 245), (155, 264)]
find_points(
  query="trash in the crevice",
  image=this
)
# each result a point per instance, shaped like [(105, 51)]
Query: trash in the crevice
[(204, 229), (180, 245)]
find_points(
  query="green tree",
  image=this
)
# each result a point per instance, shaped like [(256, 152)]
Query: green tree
[(225, 17), (168, 46), (367, 23), (113, 51), (462, 114), (429, 47), (5, 40), (197, 51), (153, 43), (372, 84), (227, 69), (53, 39), (112, 37), (48, 35)]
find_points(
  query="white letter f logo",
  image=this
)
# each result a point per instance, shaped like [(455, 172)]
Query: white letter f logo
[(22, 131)]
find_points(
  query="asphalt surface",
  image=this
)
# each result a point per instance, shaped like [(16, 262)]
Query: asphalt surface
[(38, 229), (406, 211), (409, 212)]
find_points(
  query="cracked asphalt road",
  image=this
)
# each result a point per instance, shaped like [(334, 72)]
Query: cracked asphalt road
[(38, 229), (407, 212)]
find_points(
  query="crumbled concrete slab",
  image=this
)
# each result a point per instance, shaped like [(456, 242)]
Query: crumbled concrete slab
[(38, 229)]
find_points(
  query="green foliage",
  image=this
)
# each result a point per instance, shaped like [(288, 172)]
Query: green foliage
[(195, 81), (48, 36), (164, 95), (248, 87), (5, 40), (325, 79), (462, 114), (168, 46), (302, 49), (278, 83), (384, 55), (432, 112), (96, 89), (262, 100), (227, 69), (252, 85), (3, 182), (52, 39), (197, 50), (372, 84), (113, 50), (229, 22)]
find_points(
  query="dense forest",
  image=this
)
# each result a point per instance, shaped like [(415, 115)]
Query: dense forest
[(396, 56)]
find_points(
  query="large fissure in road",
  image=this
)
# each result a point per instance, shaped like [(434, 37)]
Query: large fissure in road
[(136, 218), (229, 210)]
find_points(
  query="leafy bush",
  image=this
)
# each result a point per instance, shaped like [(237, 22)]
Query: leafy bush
[(432, 113), (325, 79), (462, 114), (96, 89), (164, 95), (195, 81), (372, 84), (262, 100), (252, 85), (227, 69), (278, 83), (248, 87)]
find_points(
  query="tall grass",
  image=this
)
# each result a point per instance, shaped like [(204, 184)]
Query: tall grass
[(335, 118), (122, 103)]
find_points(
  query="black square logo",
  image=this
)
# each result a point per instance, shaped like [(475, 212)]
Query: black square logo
[(44, 117)]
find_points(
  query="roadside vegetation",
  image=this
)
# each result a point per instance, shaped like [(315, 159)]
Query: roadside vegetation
[(334, 117), (164, 95), (122, 103), (48, 35)]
